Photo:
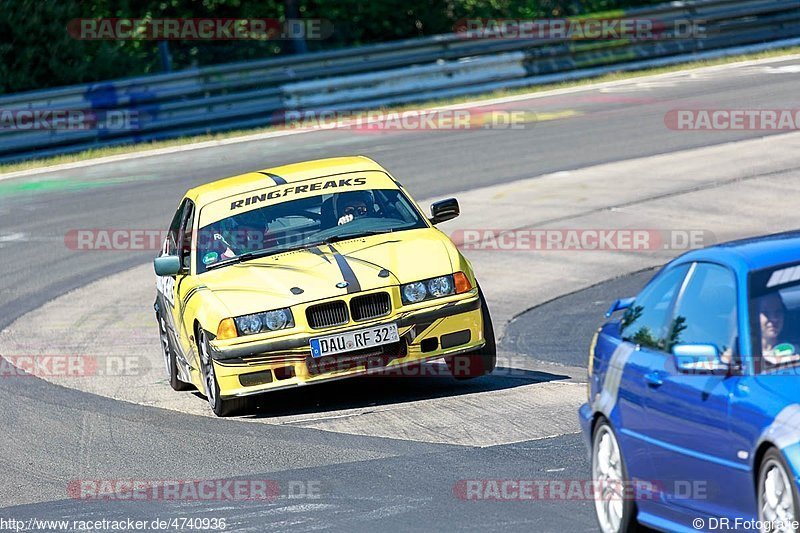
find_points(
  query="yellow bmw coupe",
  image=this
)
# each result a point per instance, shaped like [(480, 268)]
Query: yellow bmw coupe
[(308, 273)]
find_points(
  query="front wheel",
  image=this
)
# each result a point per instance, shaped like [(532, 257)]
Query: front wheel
[(616, 512), (220, 406), (777, 494), (481, 361)]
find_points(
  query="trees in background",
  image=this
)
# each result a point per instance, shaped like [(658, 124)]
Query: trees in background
[(37, 52)]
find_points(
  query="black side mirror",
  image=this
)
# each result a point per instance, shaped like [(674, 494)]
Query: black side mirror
[(444, 210)]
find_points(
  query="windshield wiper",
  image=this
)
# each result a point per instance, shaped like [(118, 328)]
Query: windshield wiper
[(273, 251), (248, 256), (354, 235)]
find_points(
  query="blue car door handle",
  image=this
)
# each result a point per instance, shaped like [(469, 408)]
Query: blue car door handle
[(654, 379)]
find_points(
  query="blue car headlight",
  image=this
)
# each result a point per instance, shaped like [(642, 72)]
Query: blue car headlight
[(418, 291), (266, 321)]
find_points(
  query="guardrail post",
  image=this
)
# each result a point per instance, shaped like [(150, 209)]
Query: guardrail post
[(166, 58)]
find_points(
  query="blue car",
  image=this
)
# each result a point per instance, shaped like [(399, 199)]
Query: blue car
[(693, 411)]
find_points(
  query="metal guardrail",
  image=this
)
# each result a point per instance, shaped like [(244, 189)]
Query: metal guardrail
[(258, 93)]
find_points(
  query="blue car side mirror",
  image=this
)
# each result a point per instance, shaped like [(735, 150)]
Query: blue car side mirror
[(619, 305), (699, 359)]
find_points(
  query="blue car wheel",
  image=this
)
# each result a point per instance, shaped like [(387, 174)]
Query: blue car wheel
[(615, 509), (777, 495)]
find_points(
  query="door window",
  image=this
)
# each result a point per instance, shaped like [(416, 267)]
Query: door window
[(171, 242), (645, 322), (185, 234), (706, 310)]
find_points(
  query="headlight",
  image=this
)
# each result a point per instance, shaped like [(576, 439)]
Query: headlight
[(275, 320), (443, 286), (429, 288), (267, 321), (249, 324), (414, 292)]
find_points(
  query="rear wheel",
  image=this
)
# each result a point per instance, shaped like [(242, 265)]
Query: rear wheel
[(170, 358), (481, 361), (221, 407), (615, 510), (777, 495)]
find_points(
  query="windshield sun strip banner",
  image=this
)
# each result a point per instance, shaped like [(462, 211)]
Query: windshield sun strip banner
[(272, 195)]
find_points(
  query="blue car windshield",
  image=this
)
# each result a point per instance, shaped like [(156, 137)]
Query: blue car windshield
[(304, 223), (774, 315)]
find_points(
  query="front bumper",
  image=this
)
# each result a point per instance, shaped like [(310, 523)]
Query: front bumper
[(256, 367)]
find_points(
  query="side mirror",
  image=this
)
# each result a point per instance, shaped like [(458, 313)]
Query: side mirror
[(444, 210), (699, 359), (620, 305), (167, 265)]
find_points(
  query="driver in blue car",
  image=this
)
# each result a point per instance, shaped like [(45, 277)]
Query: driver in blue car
[(352, 205), (772, 316)]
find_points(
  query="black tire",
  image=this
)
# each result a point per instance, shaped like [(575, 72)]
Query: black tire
[(627, 514), (773, 464), (170, 358), (482, 361), (220, 406)]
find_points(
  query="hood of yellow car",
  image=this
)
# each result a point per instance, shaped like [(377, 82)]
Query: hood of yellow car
[(313, 273)]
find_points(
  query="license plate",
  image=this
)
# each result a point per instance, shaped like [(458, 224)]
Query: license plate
[(354, 340)]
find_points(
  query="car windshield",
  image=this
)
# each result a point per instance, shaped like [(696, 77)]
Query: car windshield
[(774, 316), (304, 223)]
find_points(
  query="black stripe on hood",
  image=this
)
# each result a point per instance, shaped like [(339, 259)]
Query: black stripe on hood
[(347, 271)]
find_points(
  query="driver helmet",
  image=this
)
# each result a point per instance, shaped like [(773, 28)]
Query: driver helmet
[(342, 200)]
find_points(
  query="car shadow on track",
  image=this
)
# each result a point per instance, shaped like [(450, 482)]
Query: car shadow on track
[(431, 381)]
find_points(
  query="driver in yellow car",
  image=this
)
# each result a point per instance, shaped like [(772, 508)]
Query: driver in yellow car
[(352, 205)]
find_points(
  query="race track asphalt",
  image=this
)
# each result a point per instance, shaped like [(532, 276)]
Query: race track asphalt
[(54, 435)]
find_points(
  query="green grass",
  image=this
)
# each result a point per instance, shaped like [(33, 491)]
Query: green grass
[(133, 148)]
